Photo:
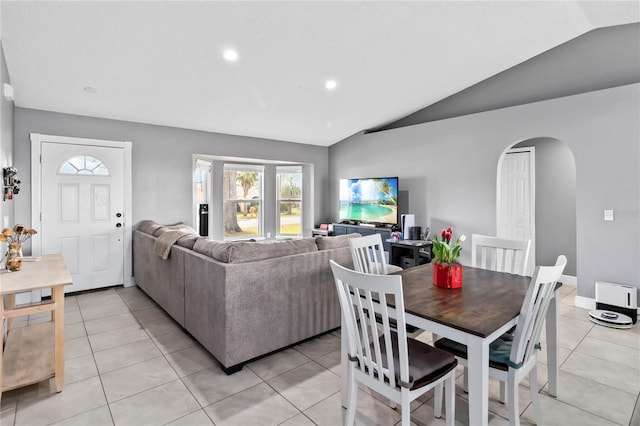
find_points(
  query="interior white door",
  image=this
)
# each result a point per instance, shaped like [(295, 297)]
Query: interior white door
[(83, 211), (516, 203)]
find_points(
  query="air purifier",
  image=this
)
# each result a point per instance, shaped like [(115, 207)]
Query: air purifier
[(407, 221)]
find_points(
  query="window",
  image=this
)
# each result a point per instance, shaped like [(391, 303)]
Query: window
[(251, 198), (242, 201), (83, 165), (289, 184)]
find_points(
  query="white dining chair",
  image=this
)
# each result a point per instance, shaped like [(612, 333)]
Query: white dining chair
[(368, 255), (500, 254), (514, 356), (397, 367)]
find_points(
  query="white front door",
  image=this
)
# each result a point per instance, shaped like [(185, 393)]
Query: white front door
[(516, 199), (83, 199)]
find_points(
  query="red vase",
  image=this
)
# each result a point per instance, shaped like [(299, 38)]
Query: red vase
[(447, 276)]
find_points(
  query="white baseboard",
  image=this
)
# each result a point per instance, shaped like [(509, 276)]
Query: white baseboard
[(588, 303), (585, 302), (569, 280)]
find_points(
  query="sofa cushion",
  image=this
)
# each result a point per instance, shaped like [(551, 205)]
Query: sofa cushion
[(177, 227), (149, 226), (243, 252), (154, 228), (251, 251), (328, 243), (215, 249), (188, 241)]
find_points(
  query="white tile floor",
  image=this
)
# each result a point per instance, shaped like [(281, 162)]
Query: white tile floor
[(127, 363)]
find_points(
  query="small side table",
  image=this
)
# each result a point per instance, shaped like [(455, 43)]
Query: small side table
[(36, 352), (411, 248)]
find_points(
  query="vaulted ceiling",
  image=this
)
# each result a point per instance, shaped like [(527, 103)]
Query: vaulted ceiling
[(162, 62)]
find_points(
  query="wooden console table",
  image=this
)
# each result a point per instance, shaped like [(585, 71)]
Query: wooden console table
[(36, 352)]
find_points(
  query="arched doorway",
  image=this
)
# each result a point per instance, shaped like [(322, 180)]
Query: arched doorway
[(553, 200)]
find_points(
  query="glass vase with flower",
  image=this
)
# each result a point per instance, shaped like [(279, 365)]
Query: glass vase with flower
[(447, 272), (15, 238)]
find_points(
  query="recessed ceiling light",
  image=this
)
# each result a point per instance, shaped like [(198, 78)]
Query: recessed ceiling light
[(330, 84), (230, 55), (90, 89)]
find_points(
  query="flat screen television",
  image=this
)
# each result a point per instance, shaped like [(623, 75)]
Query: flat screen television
[(369, 200)]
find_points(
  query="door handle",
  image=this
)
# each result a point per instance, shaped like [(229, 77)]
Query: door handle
[(118, 214), (118, 225)]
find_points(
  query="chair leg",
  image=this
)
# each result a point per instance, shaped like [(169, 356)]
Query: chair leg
[(535, 399), (512, 388), (503, 395), (450, 399), (437, 400), (406, 407), (465, 380), (353, 398)]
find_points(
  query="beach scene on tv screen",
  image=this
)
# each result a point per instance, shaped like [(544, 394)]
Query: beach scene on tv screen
[(369, 200)]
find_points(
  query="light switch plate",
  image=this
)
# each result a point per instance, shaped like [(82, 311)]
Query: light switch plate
[(5, 221), (608, 215)]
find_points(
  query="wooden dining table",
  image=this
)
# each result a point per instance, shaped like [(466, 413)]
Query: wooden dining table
[(487, 305)]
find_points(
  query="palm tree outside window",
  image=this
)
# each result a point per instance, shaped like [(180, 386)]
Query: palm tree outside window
[(242, 201)]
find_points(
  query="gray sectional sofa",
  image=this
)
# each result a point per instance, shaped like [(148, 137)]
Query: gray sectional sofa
[(242, 299)]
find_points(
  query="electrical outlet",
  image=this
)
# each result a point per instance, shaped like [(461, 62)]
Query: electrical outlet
[(5, 221), (608, 215)]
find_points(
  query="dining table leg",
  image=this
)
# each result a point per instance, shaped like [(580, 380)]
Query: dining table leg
[(478, 371), (552, 344)]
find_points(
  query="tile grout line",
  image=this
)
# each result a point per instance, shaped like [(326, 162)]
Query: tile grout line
[(104, 392), (636, 410), (181, 379), (153, 387), (108, 403)]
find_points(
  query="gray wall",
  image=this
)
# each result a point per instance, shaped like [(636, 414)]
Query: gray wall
[(555, 174), (6, 143), (162, 159), (449, 167)]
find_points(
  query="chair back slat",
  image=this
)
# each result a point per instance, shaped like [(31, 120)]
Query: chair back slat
[(368, 254), (361, 297), (362, 324), (500, 254), (351, 318), (534, 310)]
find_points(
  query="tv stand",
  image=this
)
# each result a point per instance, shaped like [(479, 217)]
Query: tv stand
[(367, 225), (364, 229)]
